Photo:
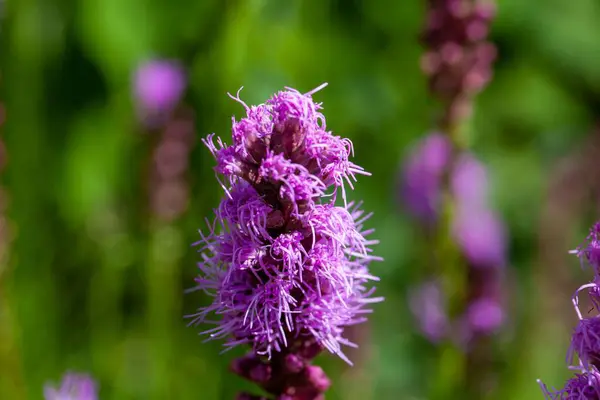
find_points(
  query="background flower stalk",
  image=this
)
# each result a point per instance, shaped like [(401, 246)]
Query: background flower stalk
[(445, 187)]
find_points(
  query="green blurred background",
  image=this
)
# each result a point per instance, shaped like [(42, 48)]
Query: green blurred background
[(91, 281)]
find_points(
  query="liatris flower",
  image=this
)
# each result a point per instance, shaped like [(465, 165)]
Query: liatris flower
[(287, 268), (73, 387), (458, 58), (158, 86)]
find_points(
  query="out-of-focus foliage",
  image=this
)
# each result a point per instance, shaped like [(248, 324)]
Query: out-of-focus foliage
[(94, 283)]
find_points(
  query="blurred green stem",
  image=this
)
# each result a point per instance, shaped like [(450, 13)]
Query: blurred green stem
[(450, 376), (32, 295), (451, 363), (106, 320), (165, 251)]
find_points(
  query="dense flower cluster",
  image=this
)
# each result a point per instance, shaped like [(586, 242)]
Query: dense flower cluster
[(458, 58), (287, 268), (476, 228), (585, 341), (73, 387)]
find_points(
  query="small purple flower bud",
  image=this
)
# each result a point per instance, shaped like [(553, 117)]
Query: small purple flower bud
[(73, 387), (293, 363), (158, 86), (252, 368), (316, 376), (422, 177)]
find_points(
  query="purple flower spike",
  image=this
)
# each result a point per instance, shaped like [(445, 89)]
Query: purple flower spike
[(583, 386), (73, 387), (286, 267), (159, 85), (422, 177)]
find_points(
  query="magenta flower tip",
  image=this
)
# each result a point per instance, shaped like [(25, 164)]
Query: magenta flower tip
[(73, 387), (583, 386)]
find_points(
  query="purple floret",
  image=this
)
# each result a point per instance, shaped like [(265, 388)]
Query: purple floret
[(73, 387), (585, 342), (583, 386)]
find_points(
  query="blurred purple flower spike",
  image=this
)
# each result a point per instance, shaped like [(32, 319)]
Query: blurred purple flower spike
[(287, 268), (73, 387), (158, 86)]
